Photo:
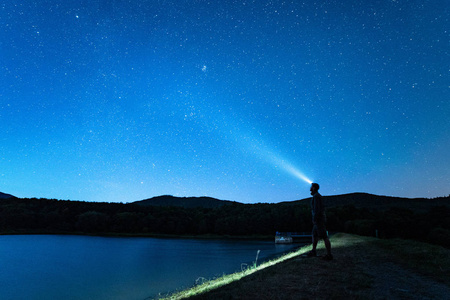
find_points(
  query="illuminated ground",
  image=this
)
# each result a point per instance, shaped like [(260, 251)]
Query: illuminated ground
[(364, 268)]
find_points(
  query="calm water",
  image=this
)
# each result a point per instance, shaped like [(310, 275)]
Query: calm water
[(81, 267)]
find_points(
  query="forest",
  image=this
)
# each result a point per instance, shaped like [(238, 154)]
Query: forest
[(232, 219)]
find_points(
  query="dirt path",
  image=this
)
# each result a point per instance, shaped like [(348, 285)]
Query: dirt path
[(363, 268)]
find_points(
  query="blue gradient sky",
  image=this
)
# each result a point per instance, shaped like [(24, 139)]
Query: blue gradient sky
[(124, 100)]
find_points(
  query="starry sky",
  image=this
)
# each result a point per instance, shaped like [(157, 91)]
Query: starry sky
[(123, 100)]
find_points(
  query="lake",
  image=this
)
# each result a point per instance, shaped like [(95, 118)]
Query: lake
[(86, 267)]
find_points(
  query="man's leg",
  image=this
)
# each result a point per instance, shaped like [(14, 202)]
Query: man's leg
[(327, 245), (324, 235), (315, 239), (314, 242)]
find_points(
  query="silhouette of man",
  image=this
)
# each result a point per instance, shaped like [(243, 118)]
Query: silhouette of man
[(318, 217)]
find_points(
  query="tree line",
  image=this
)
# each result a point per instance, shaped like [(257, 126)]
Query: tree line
[(25, 215)]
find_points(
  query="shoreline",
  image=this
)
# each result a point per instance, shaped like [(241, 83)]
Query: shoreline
[(141, 235), (363, 268)]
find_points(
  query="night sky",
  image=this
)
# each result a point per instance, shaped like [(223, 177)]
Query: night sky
[(120, 100)]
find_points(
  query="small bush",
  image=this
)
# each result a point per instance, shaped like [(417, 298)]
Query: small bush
[(439, 236)]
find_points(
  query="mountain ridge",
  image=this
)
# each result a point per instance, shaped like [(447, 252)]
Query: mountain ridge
[(6, 196), (357, 199), (186, 202), (372, 201)]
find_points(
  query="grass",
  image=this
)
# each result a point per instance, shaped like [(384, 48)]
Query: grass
[(364, 268), (227, 279), (429, 260)]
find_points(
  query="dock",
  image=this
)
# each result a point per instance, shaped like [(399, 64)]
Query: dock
[(292, 237)]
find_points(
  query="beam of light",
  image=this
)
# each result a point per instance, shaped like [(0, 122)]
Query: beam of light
[(247, 140), (289, 168), (292, 170), (261, 149)]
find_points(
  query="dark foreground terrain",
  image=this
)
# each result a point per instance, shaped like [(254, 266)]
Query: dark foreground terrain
[(363, 268)]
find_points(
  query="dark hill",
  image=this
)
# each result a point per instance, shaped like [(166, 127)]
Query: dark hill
[(364, 214), (5, 196), (186, 202), (365, 200), (358, 200)]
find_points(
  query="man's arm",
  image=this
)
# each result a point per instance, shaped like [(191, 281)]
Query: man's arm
[(317, 207)]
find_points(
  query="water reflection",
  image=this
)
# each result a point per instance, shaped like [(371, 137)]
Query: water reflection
[(82, 267)]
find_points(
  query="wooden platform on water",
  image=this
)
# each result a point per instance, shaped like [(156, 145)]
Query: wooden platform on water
[(292, 237)]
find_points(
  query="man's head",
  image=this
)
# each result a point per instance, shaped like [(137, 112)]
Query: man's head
[(314, 188)]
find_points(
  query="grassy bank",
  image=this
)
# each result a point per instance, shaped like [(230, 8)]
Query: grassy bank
[(363, 268)]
